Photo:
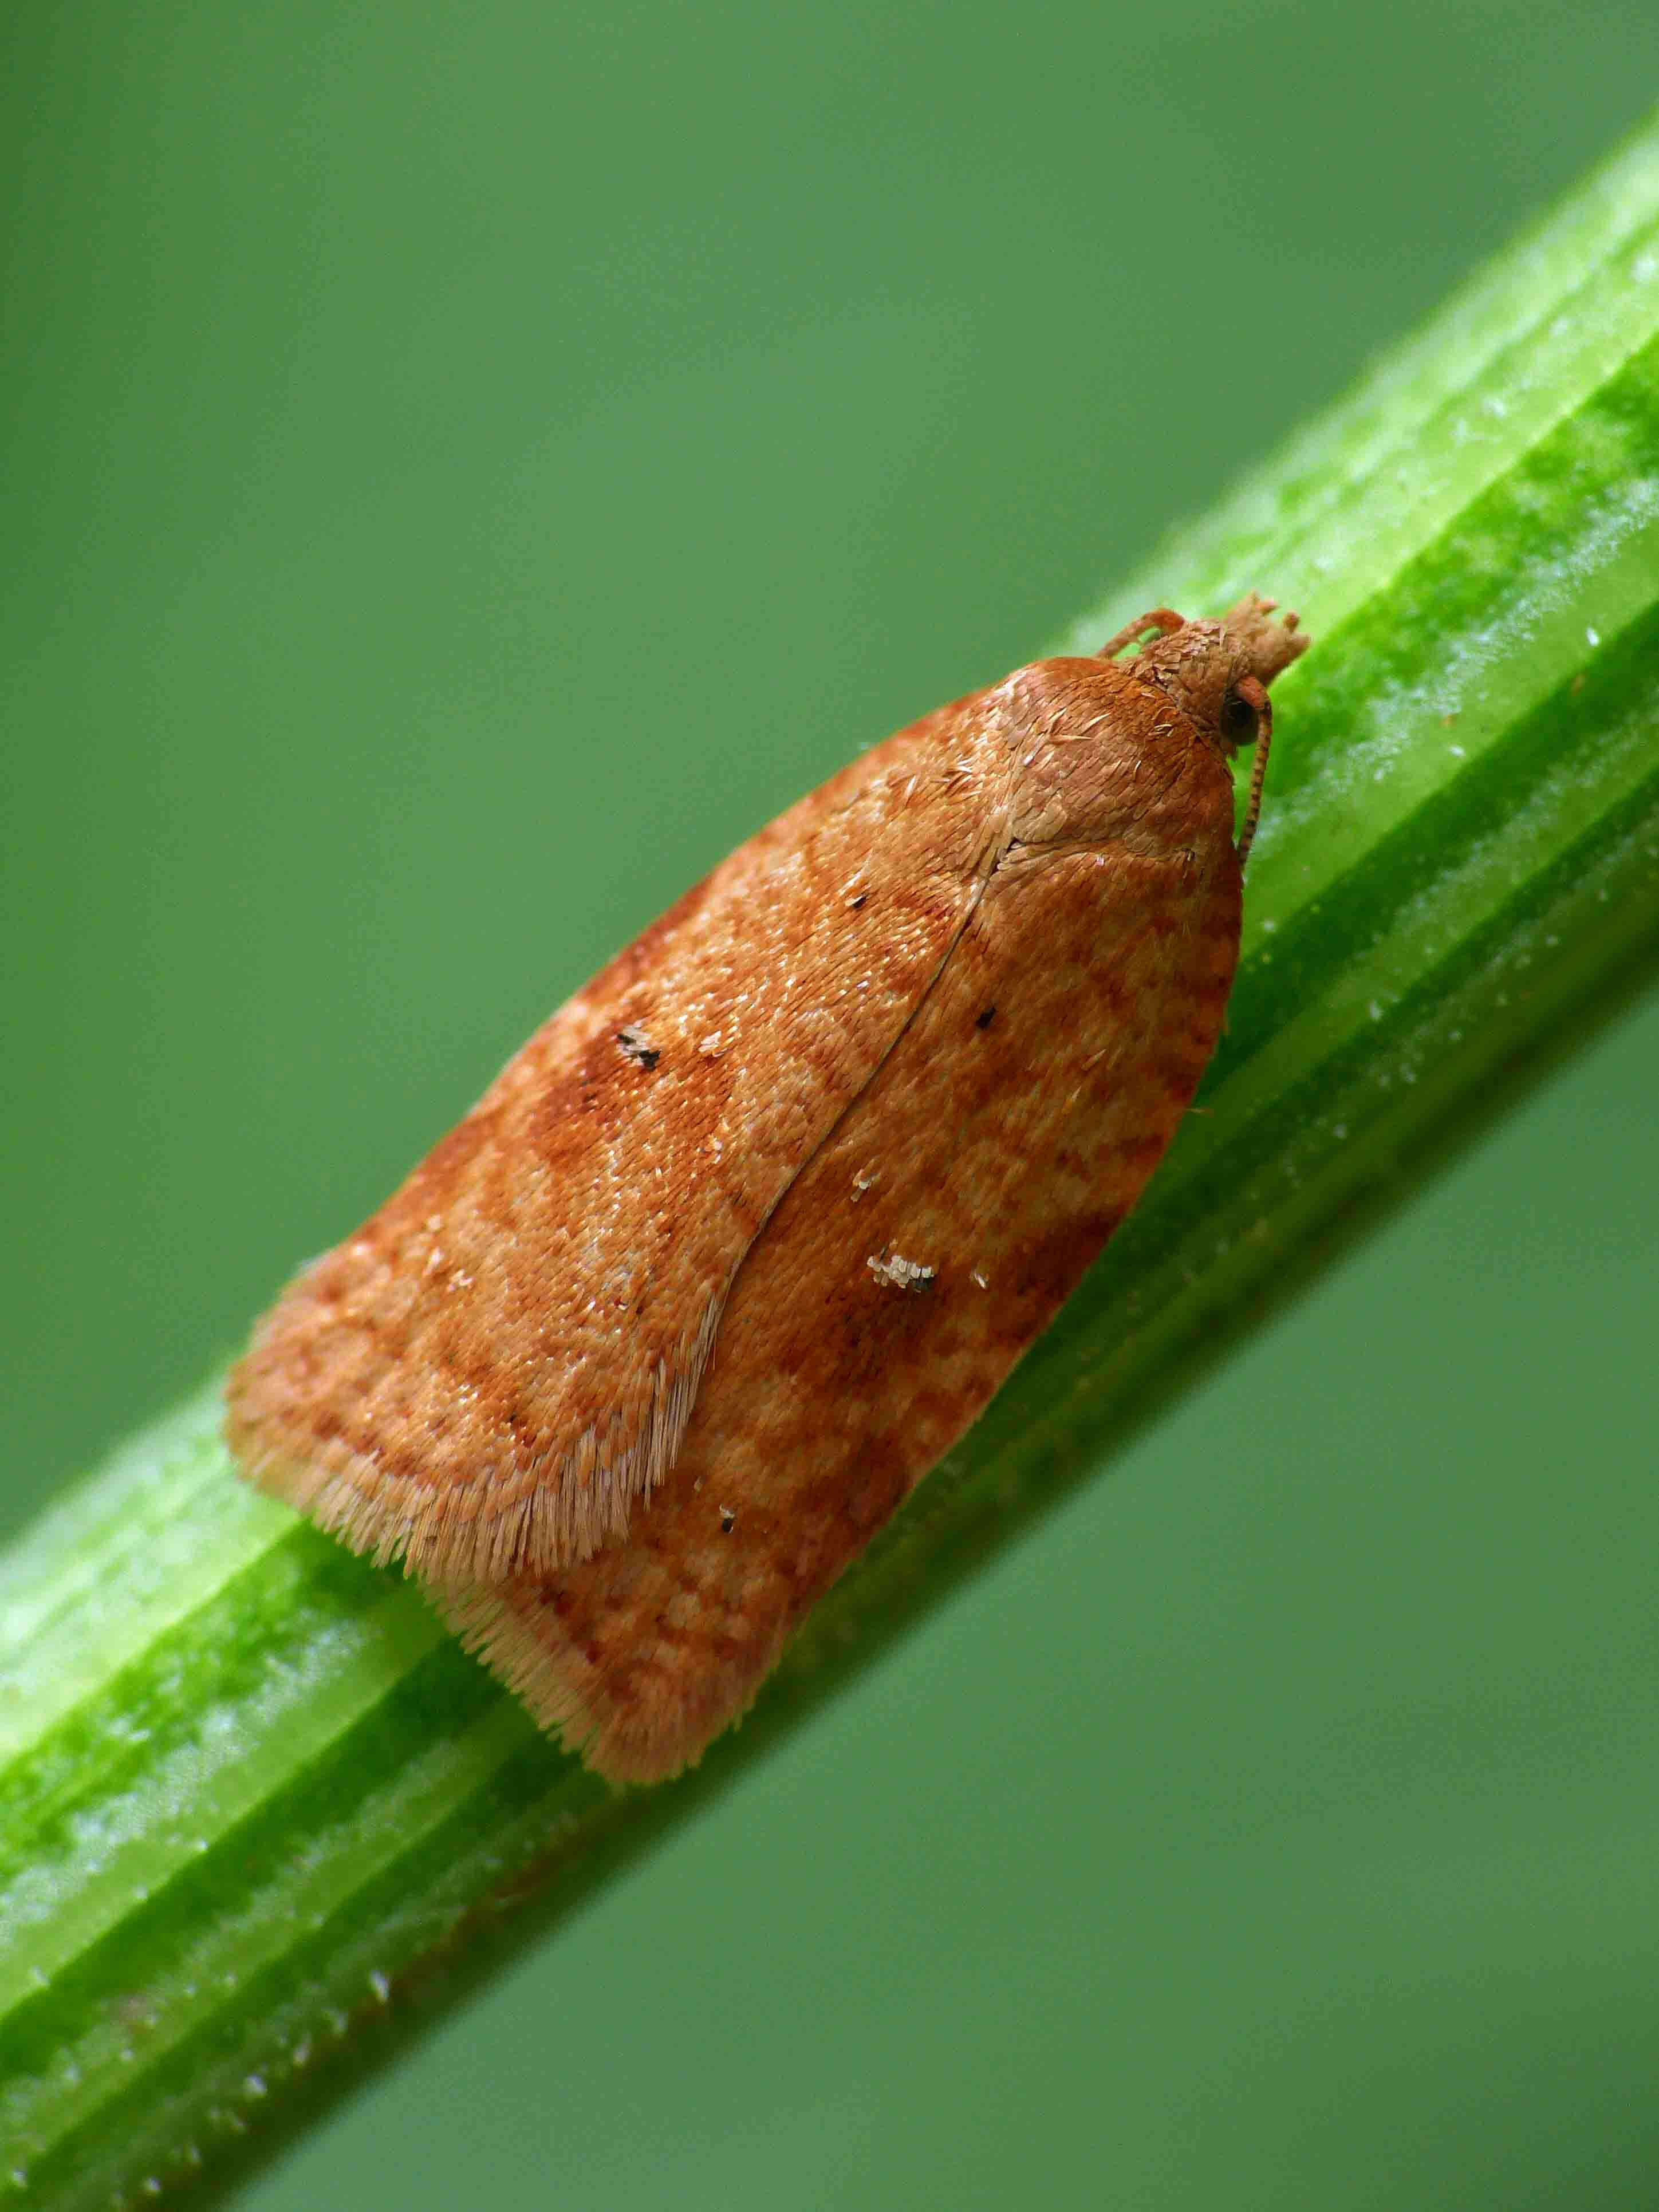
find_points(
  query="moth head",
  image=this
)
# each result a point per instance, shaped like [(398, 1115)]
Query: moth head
[(1218, 674)]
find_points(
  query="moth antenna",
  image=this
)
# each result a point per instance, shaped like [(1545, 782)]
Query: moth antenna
[(1162, 619), (1252, 689)]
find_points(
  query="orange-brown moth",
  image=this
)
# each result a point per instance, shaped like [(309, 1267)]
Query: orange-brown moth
[(646, 1349)]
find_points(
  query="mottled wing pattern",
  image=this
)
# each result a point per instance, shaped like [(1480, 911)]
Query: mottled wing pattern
[(498, 1367), (926, 1243)]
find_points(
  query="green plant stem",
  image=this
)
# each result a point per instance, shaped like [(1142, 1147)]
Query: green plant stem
[(251, 1791)]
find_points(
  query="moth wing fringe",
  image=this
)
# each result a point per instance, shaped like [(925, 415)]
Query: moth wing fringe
[(494, 1631), (452, 1535)]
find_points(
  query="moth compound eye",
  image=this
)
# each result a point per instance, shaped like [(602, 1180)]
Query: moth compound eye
[(1237, 718)]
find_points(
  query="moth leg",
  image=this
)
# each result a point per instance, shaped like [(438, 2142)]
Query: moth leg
[(1164, 620)]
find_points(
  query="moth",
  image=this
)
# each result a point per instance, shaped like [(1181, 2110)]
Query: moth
[(646, 1349)]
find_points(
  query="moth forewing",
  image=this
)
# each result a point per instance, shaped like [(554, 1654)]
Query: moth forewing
[(640, 1357)]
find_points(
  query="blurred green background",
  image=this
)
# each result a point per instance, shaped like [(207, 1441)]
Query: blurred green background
[(465, 466)]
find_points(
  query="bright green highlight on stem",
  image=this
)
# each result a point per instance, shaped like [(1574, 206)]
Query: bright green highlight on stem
[(248, 1783)]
